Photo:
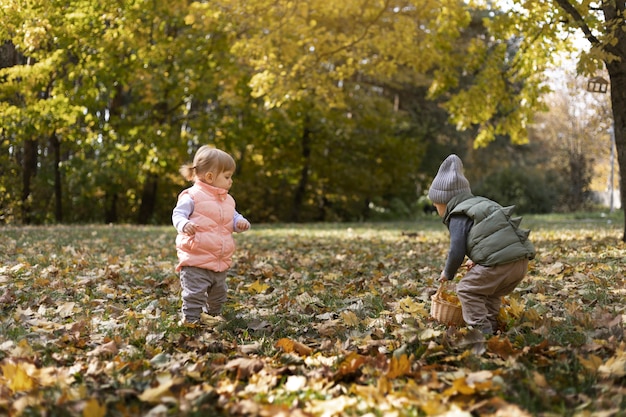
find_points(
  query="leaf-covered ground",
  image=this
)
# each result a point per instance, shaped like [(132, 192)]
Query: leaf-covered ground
[(322, 320)]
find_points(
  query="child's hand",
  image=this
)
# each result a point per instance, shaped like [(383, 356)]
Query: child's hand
[(190, 228), (243, 225), (469, 264), (442, 278)]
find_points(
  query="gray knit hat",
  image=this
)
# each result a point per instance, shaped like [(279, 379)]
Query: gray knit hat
[(449, 181)]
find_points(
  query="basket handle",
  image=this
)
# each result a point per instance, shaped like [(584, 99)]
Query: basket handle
[(442, 285)]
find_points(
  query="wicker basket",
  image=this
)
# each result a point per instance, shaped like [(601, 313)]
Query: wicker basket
[(444, 311)]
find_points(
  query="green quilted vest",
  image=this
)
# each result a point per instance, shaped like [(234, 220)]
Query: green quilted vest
[(495, 238)]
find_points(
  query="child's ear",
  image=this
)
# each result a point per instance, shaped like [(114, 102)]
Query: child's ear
[(208, 177)]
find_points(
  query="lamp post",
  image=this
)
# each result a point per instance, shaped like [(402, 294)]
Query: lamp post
[(600, 85)]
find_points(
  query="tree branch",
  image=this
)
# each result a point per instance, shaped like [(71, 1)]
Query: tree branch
[(580, 21)]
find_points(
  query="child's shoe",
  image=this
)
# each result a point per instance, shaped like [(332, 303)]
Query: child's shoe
[(188, 322), (212, 321)]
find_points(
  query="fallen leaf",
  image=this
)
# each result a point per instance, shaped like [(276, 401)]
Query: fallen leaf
[(350, 318), (93, 408), (17, 377), (289, 346), (615, 366), (258, 287), (155, 394), (109, 348), (398, 366), (295, 383), (244, 367), (592, 363)]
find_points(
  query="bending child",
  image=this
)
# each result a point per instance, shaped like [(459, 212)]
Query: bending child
[(205, 218), (483, 230)]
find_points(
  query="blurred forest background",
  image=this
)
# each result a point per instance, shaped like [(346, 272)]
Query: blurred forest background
[(334, 111)]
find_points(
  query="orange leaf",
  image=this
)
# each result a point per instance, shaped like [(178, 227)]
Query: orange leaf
[(501, 347), (351, 364), (289, 346)]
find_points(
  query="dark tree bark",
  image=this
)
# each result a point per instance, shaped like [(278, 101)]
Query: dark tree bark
[(298, 198), (148, 199), (29, 170), (55, 143), (110, 207), (617, 72), (615, 26)]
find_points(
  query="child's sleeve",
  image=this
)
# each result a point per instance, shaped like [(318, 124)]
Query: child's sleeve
[(459, 228), (182, 211), (236, 220)]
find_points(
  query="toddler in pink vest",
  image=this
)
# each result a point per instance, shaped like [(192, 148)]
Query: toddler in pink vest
[(205, 218)]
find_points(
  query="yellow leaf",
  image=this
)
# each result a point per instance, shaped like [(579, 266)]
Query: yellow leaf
[(257, 287), (154, 394), (460, 386), (384, 386), (398, 366), (592, 363), (350, 318), (409, 306), (614, 366), (516, 308), (94, 409), (18, 378)]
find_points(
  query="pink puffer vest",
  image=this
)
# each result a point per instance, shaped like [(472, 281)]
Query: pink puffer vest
[(212, 246)]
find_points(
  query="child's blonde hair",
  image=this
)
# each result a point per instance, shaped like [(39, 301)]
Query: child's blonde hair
[(208, 159)]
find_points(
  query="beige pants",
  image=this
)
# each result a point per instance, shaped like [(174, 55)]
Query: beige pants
[(202, 289), (481, 289)]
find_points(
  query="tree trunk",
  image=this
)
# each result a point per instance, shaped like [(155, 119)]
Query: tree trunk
[(617, 74), (58, 195), (29, 169), (298, 198), (148, 199), (110, 207), (614, 26), (613, 14)]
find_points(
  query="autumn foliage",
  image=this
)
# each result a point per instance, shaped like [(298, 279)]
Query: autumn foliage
[(323, 320)]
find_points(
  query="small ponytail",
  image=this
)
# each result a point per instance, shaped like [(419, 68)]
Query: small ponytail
[(188, 172)]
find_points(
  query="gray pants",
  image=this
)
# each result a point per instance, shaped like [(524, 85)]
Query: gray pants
[(201, 289), (481, 289)]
